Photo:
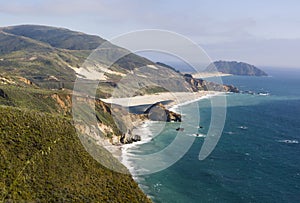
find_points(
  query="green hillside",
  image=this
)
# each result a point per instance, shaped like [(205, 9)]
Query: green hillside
[(49, 56), (57, 37), (43, 160)]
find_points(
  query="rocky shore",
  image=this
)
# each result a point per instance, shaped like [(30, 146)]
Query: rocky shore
[(156, 112)]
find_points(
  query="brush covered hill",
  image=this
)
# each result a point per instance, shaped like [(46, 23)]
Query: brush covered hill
[(49, 55), (52, 58), (236, 68), (43, 160)]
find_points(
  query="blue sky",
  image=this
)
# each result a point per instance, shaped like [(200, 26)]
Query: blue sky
[(261, 32)]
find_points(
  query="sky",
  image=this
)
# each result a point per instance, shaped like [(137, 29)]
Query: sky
[(260, 32)]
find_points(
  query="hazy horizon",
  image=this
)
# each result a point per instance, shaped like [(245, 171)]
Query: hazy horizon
[(260, 33)]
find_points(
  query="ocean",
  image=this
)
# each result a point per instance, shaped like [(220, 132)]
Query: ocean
[(257, 158)]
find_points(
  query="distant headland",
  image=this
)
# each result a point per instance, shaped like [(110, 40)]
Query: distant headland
[(235, 68)]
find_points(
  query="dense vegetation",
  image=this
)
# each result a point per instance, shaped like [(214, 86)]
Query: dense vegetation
[(42, 159)]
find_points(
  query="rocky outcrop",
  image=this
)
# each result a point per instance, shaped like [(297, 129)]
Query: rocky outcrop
[(3, 94), (102, 105), (25, 80), (200, 85), (158, 112), (64, 103), (128, 138), (231, 88), (173, 117), (5, 81)]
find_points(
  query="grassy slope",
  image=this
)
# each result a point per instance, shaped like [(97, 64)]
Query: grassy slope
[(36, 60), (37, 52), (57, 37), (41, 53), (50, 101), (34, 98), (42, 159)]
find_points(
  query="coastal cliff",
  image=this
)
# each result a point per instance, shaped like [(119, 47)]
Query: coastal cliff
[(42, 157), (200, 85)]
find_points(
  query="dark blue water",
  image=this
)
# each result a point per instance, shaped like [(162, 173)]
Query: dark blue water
[(257, 158)]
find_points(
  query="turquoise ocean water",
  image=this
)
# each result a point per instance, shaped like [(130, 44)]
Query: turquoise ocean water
[(257, 158)]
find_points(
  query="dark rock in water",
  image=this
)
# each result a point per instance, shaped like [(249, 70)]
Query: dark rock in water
[(179, 129), (3, 94), (129, 138), (158, 112), (122, 139), (231, 88), (172, 116)]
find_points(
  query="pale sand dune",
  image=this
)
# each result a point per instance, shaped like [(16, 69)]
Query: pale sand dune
[(176, 97)]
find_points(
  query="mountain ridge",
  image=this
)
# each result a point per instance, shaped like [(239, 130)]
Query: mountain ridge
[(39, 52), (56, 37)]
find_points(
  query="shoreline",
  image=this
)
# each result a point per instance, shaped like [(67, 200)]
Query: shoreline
[(173, 98), (122, 152)]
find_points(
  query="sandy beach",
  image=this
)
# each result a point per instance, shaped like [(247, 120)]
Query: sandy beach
[(203, 75), (175, 98)]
